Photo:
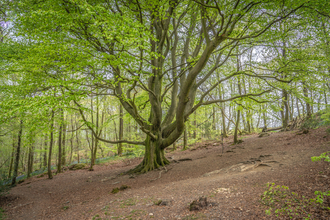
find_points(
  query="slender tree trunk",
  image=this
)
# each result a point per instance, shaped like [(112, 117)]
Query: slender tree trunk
[(264, 117), (50, 175), (259, 117), (240, 92), (63, 144), (325, 98), (251, 123), (30, 160), (185, 139), (308, 107), (224, 133), (71, 148), (71, 141), (45, 153), (121, 130), (297, 104), (12, 156), (98, 130), (312, 102), (291, 108), (248, 125), (214, 121), (195, 124), (77, 140), (285, 109), (229, 121), (92, 147), (18, 150), (59, 162), (236, 127)]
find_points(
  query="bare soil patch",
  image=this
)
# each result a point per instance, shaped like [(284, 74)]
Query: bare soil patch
[(232, 181)]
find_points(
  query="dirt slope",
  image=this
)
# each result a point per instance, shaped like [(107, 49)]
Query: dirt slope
[(233, 181)]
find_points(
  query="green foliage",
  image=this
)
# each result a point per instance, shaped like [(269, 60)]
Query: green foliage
[(282, 202), (324, 156), (318, 119)]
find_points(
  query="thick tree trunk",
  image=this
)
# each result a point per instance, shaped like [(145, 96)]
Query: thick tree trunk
[(18, 151), (50, 175), (154, 157)]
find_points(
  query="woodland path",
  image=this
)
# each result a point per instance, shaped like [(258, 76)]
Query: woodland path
[(83, 194)]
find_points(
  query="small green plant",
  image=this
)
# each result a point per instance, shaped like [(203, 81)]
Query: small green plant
[(158, 202), (65, 207), (121, 188), (320, 196), (115, 190), (324, 156)]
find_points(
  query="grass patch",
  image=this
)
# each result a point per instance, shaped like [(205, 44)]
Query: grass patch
[(128, 202), (135, 213)]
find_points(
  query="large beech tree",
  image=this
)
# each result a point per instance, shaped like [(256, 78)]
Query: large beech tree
[(172, 51)]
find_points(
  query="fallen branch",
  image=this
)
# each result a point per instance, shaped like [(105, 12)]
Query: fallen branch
[(274, 129)]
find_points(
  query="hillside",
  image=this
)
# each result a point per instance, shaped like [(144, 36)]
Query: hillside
[(234, 189)]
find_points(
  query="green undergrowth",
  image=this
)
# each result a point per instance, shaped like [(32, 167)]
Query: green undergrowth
[(2, 214), (4, 189), (321, 118), (282, 202)]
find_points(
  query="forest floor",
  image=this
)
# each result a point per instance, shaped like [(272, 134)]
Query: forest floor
[(241, 174)]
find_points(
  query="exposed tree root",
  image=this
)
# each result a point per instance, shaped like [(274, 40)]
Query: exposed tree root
[(144, 168)]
